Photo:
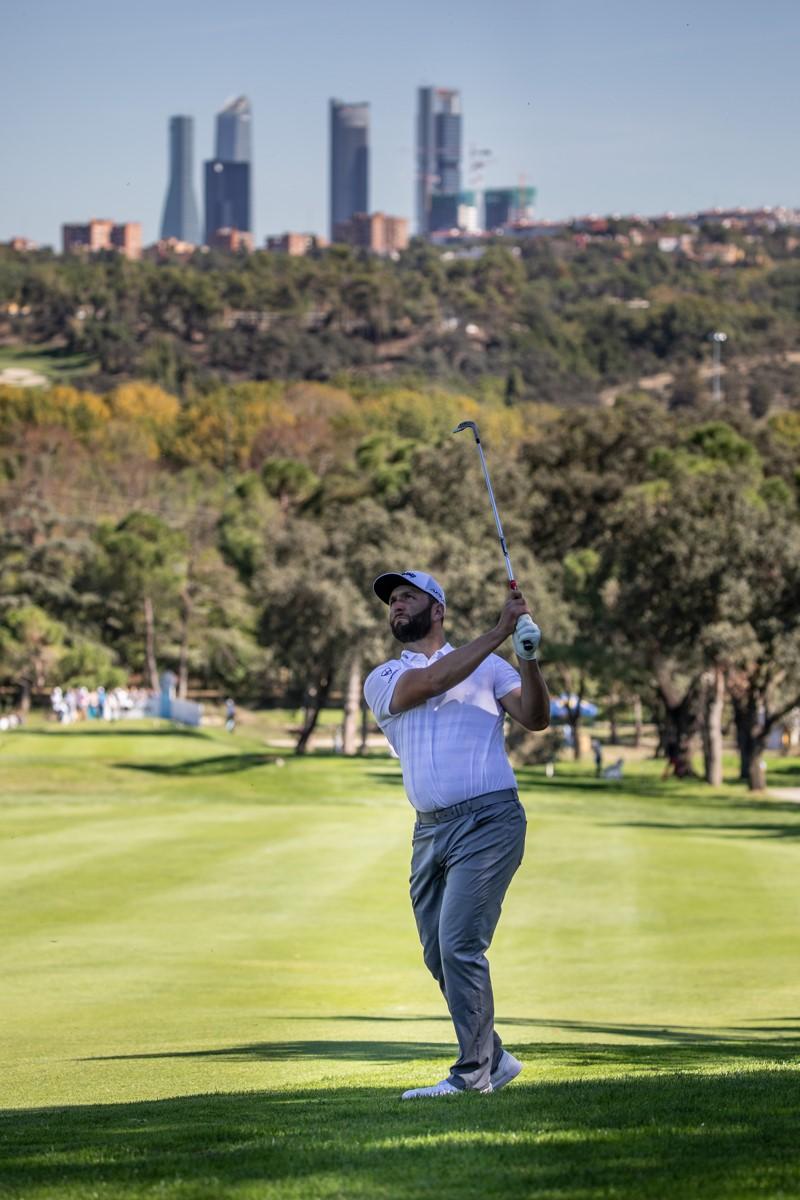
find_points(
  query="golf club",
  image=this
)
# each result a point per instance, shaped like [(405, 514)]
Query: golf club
[(527, 634)]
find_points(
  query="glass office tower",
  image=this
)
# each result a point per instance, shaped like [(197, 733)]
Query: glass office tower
[(438, 149), (503, 206), (349, 168), (228, 176), (234, 125), (227, 196)]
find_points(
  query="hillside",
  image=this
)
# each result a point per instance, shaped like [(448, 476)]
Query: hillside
[(563, 320)]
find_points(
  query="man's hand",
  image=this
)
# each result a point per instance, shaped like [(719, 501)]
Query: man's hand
[(530, 704), (526, 634), (526, 638), (513, 609)]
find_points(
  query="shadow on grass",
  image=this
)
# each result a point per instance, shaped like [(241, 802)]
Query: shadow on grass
[(341, 1050), (738, 817), (634, 1137), (672, 796), (735, 829), (785, 767), (779, 1030), (385, 776), (633, 784), (113, 731), (220, 764), (228, 764), (675, 1048)]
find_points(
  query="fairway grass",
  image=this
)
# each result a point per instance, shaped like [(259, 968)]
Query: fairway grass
[(211, 984), (52, 363)]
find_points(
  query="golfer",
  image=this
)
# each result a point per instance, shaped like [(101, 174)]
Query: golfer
[(442, 711)]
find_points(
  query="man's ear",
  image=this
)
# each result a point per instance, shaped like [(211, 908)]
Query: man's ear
[(438, 611)]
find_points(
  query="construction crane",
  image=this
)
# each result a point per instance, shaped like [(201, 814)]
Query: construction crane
[(478, 161)]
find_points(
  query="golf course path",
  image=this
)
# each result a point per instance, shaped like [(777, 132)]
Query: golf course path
[(792, 795)]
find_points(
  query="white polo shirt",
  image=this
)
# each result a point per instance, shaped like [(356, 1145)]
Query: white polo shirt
[(451, 748)]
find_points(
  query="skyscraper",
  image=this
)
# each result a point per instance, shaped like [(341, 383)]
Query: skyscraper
[(180, 219), (438, 149), (502, 206), (228, 200), (349, 161), (452, 210), (227, 193), (234, 122)]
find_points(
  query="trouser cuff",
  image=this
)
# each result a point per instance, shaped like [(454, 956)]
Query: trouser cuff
[(457, 1082)]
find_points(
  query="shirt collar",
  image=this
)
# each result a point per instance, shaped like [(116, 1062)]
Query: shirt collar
[(412, 656)]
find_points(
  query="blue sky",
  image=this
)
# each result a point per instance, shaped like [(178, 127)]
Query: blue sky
[(615, 107)]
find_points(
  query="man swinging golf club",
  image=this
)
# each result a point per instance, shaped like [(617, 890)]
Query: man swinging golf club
[(443, 710)]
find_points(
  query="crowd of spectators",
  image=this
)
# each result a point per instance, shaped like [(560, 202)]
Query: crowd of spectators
[(97, 704)]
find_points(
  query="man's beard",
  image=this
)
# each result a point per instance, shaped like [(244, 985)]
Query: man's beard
[(412, 629)]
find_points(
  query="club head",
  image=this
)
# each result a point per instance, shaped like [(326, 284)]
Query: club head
[(468, 425)]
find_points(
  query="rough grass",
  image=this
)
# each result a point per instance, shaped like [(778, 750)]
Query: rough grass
[(211, 985)]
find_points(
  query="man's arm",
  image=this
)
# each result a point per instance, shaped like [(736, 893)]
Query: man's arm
[(530, 704), (422, 683)]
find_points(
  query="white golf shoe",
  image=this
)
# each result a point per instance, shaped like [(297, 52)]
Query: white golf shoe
[(443, 1088), (507, 1069)]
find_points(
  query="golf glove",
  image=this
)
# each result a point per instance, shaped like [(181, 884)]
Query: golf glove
[(526, 637)]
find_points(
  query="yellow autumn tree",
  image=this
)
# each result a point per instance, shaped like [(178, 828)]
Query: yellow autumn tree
[(151, 410)]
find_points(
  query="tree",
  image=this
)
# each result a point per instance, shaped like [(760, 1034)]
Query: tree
[(91, 664), (31, 644), (669, 560), (581, 645), (137, 578), (149, 408), (764, 667), (515, 387), (217, 622), (703, 576), (312, 615), (582, 464)]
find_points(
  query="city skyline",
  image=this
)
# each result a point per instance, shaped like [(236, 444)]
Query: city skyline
[(620, 110)]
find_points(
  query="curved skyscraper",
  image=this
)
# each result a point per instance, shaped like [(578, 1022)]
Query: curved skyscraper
[(181, 218), (349, 161)]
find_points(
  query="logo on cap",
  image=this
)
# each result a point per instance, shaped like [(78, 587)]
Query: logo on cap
[(426, 583)]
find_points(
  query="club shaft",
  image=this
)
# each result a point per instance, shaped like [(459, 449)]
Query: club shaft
[(497, 521)]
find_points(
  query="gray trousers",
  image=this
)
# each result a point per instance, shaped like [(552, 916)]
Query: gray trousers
[(461, 866)]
